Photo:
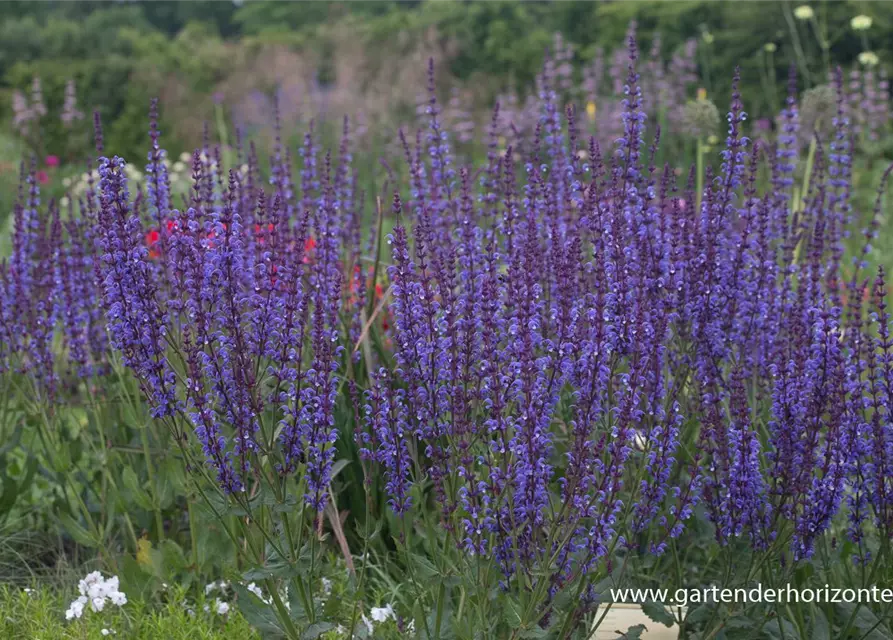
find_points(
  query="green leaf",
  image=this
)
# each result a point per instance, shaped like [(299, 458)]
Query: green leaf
[(337, 467), (658, 612), (296, 605), (446, 624), (164, 485), (9, 495), (821, 630), (259, 615), (277, 567), (12, 441), (865, 621), (223, 506), (173, 558), (76, 531), (634, 632), (137, 493), (135, 581), (781, 628), (698, 614), (315, 630), (423, 568), (512, 613)]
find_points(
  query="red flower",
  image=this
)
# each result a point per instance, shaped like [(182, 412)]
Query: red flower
[(309, 245), (152, 238), (42, 177), (52, 161)]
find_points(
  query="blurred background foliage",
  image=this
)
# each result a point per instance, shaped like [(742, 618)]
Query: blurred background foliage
[(120, 54)]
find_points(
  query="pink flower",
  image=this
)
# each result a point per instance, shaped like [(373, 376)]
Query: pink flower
[(42, 177), (52, 161)]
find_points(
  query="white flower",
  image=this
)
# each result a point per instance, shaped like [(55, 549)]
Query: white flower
[(861, 23), (216, 585), (76, 608), (256, 590), (382, 614), (89, 580), (179, 167), (96, 590), (803, 12), (185, 157), (326, 586), (221, 607), (869, 58), (368, 623), (771, 47), (708, 37), (108, 632)]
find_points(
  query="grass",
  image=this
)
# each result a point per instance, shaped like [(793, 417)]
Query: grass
[(39, 614)]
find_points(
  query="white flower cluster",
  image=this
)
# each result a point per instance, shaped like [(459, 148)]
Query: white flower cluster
[(96, 591), (382, 614), (804, 12), (223, 585), (220, 607), (869, 59), (179, 174), (379, 615), (861, 23)]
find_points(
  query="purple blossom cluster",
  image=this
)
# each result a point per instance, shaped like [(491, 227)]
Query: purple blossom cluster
[(228, 309), (579, 350), (582, 357), (667, 84), (51, 326)]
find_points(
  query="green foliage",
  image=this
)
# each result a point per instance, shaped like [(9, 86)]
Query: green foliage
[(491, 39), (37, 614), (265, 17), (121, 56)]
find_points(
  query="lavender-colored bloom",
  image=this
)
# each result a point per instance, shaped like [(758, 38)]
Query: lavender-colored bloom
[(136, 323), (70, 111), (564, 323)]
